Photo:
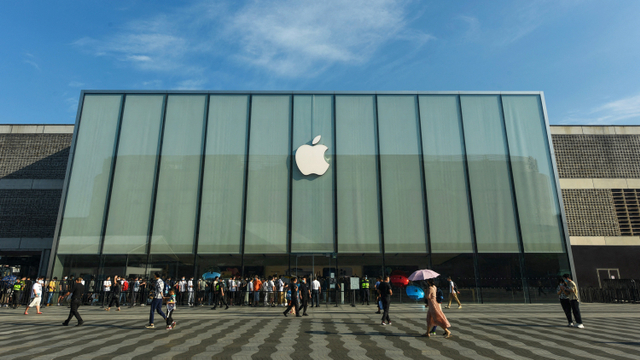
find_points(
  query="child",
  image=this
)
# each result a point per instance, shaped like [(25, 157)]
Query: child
[(171, 306)]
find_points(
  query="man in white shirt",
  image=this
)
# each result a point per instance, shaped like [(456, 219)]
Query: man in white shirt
[(453, 293), (315, 292), (249, 291), (268, 288), (36, 295), (190, 290), (106, 290), (182, 288), (280, 289), (233, 287)]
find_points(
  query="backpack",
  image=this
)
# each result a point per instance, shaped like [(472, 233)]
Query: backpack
[(125, 286), (439, 296)]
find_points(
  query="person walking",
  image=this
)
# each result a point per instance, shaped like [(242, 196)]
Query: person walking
[(219, 295), (305, 295), (453, 293), (116, 288), (294, 298), (378, 298), (435, 316), (182, 288), (76, 300), (364, 286), (385, 292), (315, 292), (106, 291), (36, 295), (171, 306), (571, 290), (156, 304)]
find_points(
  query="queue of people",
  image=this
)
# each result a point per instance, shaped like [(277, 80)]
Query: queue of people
[(295, 294)]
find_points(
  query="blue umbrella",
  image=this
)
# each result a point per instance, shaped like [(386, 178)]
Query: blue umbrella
[(210, 275), (415, 293)]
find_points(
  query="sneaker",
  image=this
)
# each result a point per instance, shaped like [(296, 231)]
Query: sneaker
[(447, 307), (169, 327), (580, 326), (389, 323), (383, 323), (570, 324), (459, 306), (173, 324), (150, 326), (433, 333)]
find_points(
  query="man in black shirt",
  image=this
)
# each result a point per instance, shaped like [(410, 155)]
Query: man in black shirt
[(384, 289), (76, 299), (294, 298), (305, 295)]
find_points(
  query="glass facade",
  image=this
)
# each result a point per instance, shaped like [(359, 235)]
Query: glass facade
[(186, 183)]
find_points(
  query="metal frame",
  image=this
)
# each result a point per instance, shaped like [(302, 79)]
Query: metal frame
[(472, 220), (203, 153), (250, 94), (563, 215), (525, 285), (423, 181), (379, 178)]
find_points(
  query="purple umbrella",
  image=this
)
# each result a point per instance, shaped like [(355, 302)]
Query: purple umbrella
[(423, 275)]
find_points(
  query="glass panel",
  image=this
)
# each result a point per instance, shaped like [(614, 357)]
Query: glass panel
[(542, 272), (87, 191), (444, 164), (176, 200), (130, 205), (500, 278), (268, 181), (358, 209), (460, 268), (312, 195), (490, 181), (223, 186), (401, 181), (533, 175)]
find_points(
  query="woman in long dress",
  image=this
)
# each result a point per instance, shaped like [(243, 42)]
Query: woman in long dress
[(435, 316)]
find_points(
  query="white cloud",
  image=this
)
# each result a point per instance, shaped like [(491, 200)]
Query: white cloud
[(286, 38), (626, 110), (191, 84), (33, 63)]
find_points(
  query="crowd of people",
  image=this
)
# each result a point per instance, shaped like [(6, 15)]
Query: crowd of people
[(294, 294)]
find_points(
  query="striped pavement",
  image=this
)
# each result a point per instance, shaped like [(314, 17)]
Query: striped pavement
[(479, 332)]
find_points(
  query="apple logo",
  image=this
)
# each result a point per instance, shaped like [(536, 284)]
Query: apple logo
[(310, 159)]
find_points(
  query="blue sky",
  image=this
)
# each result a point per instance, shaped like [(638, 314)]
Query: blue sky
[(585, 55)]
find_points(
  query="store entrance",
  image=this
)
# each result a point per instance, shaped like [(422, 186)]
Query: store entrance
[(313, 265)]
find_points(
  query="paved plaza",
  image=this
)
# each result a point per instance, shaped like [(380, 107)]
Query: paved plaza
[(479, 332)]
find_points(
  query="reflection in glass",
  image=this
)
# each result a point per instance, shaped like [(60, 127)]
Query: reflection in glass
[(89, 182), (357, 187), (268, 179), (223, 180), (401, 180), (176, 205), (312, 227), (533, 178), (133, 179), (489, 178), (445, 175)]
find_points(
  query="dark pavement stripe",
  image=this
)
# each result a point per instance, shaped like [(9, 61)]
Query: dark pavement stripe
[(366, 342), (236, 345), (301, 347), (462, 327)]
